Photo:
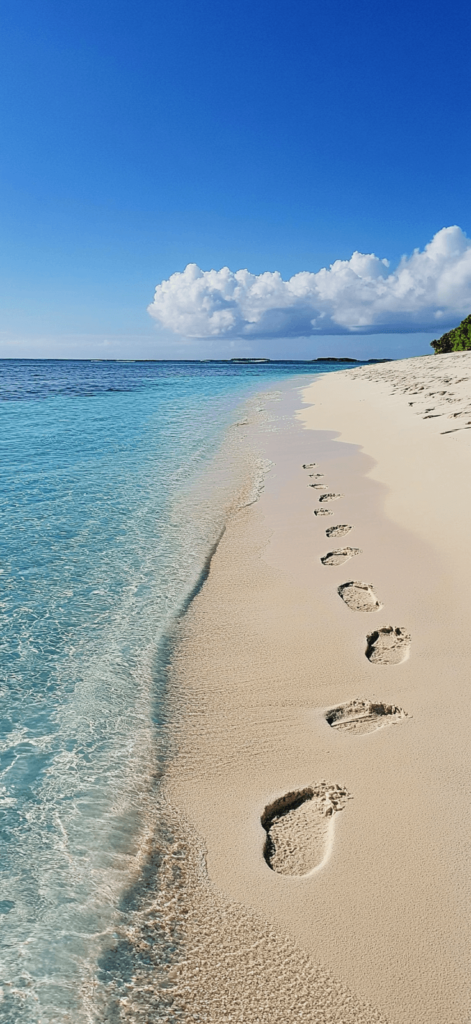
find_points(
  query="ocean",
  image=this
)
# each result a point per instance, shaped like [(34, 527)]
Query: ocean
[(115, 487)]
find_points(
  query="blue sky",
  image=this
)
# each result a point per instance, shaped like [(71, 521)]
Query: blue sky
[(138, 138)]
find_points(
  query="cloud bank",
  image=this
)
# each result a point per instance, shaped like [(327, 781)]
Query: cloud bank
[(428, 291)]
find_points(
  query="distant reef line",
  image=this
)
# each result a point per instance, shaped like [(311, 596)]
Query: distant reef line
[(243, 359)]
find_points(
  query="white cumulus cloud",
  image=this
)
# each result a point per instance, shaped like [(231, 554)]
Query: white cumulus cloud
[(428, 290)]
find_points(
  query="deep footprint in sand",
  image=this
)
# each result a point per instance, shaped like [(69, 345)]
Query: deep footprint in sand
[(299, 828), (338, 531), (361, 716), (339, 556), (359, 596), (319, 487), (309, 465), (323, 512), (388, 645), (330, 497)]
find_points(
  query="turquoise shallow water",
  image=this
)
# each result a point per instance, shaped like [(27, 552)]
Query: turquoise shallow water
[(104, 534)]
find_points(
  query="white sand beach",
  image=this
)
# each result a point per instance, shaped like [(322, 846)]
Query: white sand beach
[(322, 779)]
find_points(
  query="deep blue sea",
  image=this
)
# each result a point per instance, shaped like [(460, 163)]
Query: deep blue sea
[(104, 534)]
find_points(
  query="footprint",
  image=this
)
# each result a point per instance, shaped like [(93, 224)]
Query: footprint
[(330, 497), (362, 716), (339, 556), (338, 531), (323, 512), (309, 465), (316, 475), (299, 828), (359, 596), (388, 645), (319, 487)]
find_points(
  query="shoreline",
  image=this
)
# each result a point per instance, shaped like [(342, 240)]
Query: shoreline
[(267, 647)]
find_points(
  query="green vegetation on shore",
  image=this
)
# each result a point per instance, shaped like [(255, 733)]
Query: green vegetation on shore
[(457, 340)]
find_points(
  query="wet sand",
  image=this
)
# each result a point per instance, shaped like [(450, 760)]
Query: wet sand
[(321, 783)]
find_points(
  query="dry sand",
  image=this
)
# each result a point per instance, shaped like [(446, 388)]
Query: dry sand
[(322, 779)]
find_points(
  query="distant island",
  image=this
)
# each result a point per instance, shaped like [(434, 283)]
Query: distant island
[(457, 340), (346, 359), (319, 359)]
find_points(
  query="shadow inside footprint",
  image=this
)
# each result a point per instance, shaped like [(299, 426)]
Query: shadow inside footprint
[(359, 596), (338, 531), (298, 827), (339, 556), (388, 645), (362, 716)]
